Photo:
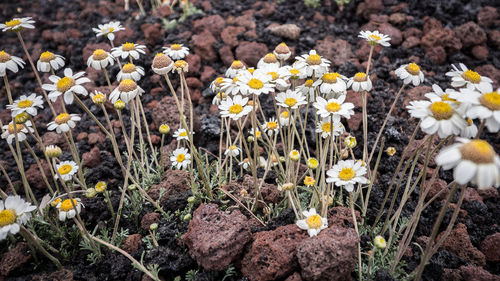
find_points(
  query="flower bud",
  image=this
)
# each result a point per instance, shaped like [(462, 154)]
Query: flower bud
[(90, 192), (187, 217), (287, 186), (379, 242), (53, 151), (312, 163), (119, 105), (350, 141), (191, 199), (164, 129), (22, 117), (132, 187), (153, 226), (294, 155), (101, 186), (55, 202)]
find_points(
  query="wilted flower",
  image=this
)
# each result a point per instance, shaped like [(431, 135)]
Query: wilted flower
[(9, 131), (53, 151), (282, 51), (360, 82), (410, 73), (162, 64), (100, 59), (126, 91)]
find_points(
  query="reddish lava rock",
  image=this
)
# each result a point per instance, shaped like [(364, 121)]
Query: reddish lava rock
[(272, 254), (230, 33), (269, 192), (480, 52), (487, 16), (226, 55), (91, 158), (338, 51), (34, 175), (329, 256), (294, 277), (165, 112), (194, 62), (491, 247), (393, 32), (213, 24), (202, 46), (490, 71), (470, 34), (152, 32), (173, 183), (469, 273), (369, 7), (132, 243), (251, 52), (415, 93), (14, 258), (458, 242), (341, 217), (148, 219), (215, 238), (61, 275)]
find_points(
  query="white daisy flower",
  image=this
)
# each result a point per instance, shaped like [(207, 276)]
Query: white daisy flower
[(334, 107), (235, 107), (269, 63), (313, 222), (67, 86), (66, 169), (216, 85), (130, 71), (180, 158), (307, 89), (410, 73), (375, 38), (331, 82), (256, 83), (464, 77), (255, 133), (291, 72), (290, 99), (313, 63), (347, 173), (181, 134), (230, 86), (284, 118), (69, 208), (48, 61), (14, 212), (270, 127), (232, 151), (9, 132), (437, 116), (108, 29), (245, 163), (282, 51), (63, 122), (219, 98), (26, 104), (126, 91), (483, 105), (162, 64), (469, 131), (16, 24), (176, 51), (279, 82), (360, 82), (325, 129), (235, 69), (473, 161), (100, 59), (9, 62), (128, 50)]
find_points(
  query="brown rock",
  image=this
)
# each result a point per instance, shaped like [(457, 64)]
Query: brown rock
[(53, 138), (330, 256), (162, 11), (444, 38), (208, 74), (368, 7), (431, 23), (152, 32), (437, 55), (364, 51), (487, 16), (436, 187), (92, 158), (494, 36), (488, 193), (294, 277), (355, 121), (412, 31), (272, 254), (229, 35), (480, 52), (194, 62), (132, 243), (193, 83), (215, 238), (59, 37), (471, 194), (34, 175), (213, 24), (165, 112), (14, 258), (251, 52), (490, 71), (266, 8), (289, 31), (148, 219), (173, 183), (476, 273), (411, 42), (491, 247), (96, 138), (338, 51), (397, 18), (246, 20), (269, 192), (393, 32), (458, 242), (226, 55), (61, 275), (202, 45), (206, 6), (470, 34), (342, 217)]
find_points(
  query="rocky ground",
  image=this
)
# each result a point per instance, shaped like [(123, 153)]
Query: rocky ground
[(432, 33)]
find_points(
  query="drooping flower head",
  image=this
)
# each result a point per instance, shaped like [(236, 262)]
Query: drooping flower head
[(360, 82), (126, 91), (410, 73), (162, 64), (9, 62), (9, 131), (100, 59)]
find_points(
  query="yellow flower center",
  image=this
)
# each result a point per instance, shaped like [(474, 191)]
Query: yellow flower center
[(180, 64), (309, 181), (175, 47), (235, 109), (99, 54), (360, 77), (128, 68), (270, 58), (62, 118), (24, 103), (65, 169), (19, 128), (66, 205), (290, 102), (180, 158), (55, 202), (237, 64), (478, 151), (308, 83), (7, 217), (471, 76), (330, 77), (13, 23), (332, 107), (218, 81), (413, 68), (127, 85), (294, 72), (47, 56), (271, 125), (314, 221), (99, 98), (491, 100), (64, 84), (4, 56), (284, 114), (255, 84), (313, 59), (347, 174), (273, 74), (183, 134), (326, 127), (101, 186), (441, 110), (373, 37), (110, 29), (128, 46)]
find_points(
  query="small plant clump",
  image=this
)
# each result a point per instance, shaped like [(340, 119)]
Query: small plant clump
[(279, 122)]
